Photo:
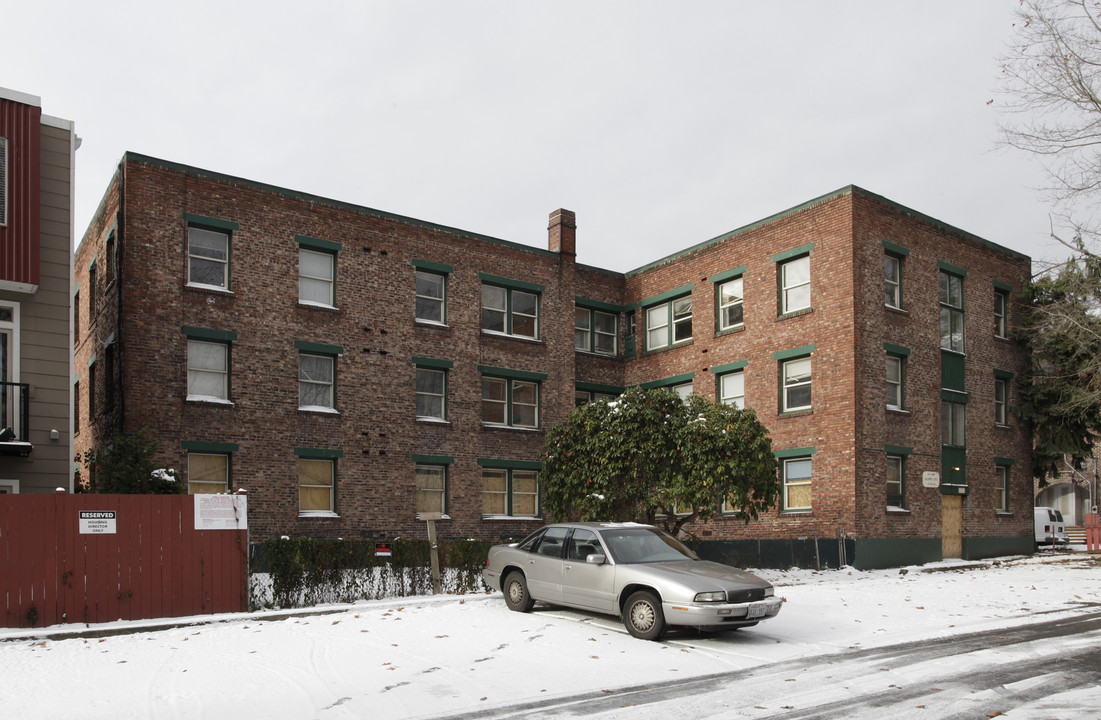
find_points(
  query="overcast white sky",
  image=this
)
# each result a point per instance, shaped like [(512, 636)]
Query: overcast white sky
[(661, 124)]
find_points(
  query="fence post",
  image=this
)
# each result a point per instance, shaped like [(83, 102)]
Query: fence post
[(1093, 533)]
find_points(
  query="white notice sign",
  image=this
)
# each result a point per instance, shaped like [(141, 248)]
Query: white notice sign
[(98, 522), (930, 479), (221, 512)]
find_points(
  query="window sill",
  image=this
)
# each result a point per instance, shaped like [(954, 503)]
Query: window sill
[(319, 409), (525, 338), (317, 514), (496, 426), (1000, 426), (795, 313), (663, 348), (794, 413), (896, 510), (445, 516), (433, 420), (730, 330), (208, 288), (209, 400), (899, 310), (308, 305), (431, 323), (897, 410), (1003, 513), (511, 517), (1004, 338), (596, 354), (806, 511)]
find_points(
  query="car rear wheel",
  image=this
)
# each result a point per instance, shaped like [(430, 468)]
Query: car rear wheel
[(643, 617), (516, 593)]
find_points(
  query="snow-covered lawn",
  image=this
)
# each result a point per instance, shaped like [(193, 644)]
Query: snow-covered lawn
[(427, 656)]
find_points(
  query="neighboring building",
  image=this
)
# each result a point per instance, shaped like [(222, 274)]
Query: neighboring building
[(36, 240), (351, 367), (1073, 492)]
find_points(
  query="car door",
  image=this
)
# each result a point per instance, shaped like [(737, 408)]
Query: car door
[(544, 566), (585, 584)]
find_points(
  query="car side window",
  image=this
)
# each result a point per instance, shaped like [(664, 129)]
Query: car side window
[(583, 544), (529, 544), (552, 542)]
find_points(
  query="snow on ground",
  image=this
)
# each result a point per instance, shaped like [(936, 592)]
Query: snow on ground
[(427, 656)]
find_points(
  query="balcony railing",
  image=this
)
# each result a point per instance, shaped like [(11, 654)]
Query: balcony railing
[(15, 415)]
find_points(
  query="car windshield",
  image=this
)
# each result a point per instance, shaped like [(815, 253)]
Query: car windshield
[(644, 545)]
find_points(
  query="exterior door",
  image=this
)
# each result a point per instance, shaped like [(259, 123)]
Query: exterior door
[(584, 584), (544, 566), (951, 522)]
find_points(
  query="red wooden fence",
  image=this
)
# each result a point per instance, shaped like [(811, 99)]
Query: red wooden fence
[(57, 566)]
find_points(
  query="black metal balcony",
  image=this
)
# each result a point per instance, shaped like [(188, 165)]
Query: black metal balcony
[(15, 419)]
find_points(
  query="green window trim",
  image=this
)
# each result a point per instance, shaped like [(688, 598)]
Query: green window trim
[(729, 367), (901, 450), (211, 222), (954, 396), (1004, 461), (667, 296), (318, 453), (795, 452), (793, 253), (433, 267), (895, 249), (227, 336), (950, 268), (512, 374), (92, 360), (1003, 287), (590, 304), (898, 350), (433, 363), (433, 459), (327, 246), (666, 382), (496, 464), (1003, 374), (728, 275), (201, 446), (598, 388), (794, 353), (318, 348), (510, 283)]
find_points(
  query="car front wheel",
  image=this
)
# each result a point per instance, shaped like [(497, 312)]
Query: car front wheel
[(516, 593), (643, 617)]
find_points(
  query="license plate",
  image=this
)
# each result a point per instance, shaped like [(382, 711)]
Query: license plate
[(756, 610)]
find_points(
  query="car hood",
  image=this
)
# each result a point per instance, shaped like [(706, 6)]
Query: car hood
[(701, 574)]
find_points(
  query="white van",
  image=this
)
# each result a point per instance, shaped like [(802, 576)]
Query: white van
[(1050, 528)]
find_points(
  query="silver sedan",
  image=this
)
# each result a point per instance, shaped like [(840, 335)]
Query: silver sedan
[(635, 571)]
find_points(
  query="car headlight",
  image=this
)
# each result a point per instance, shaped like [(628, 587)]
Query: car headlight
[(770, 591), (718, 596)]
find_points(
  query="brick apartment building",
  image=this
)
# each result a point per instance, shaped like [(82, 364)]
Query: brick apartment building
[(36, 240), (349, 367)]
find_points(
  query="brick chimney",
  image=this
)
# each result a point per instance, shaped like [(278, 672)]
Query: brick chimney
[(562, 232)]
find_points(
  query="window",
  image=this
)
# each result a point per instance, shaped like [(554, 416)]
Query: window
[(1001, 401), (431, 394), (76, 406), (951, 312), (953, 423), (109, 386), (1001, 488), (207, 370), (92, 390), (431, 488), (316, 277), (510, 402), (316, 381), (207, 473), (797, 489), (730, 304), (594, 331), (683, 390), (581, 397), (732, 389), (892, 281), (207, 257), (431, 292), (896, 465), (92, 293), (672, 319), (316, 480), (796, 391), (76, 317), (510, 311), (3, 181), (1001, 313), (109, 263), (795, 285), (894, 382), (509, 492)]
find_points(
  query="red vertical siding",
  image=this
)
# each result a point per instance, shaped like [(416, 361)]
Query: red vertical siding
[(21, 125)]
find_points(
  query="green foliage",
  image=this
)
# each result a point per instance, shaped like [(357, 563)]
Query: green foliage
[(303, 572), (127, 466), (648, 454), (1061, 393)]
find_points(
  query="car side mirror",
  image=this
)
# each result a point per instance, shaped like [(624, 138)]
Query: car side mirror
[(596, 559)]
